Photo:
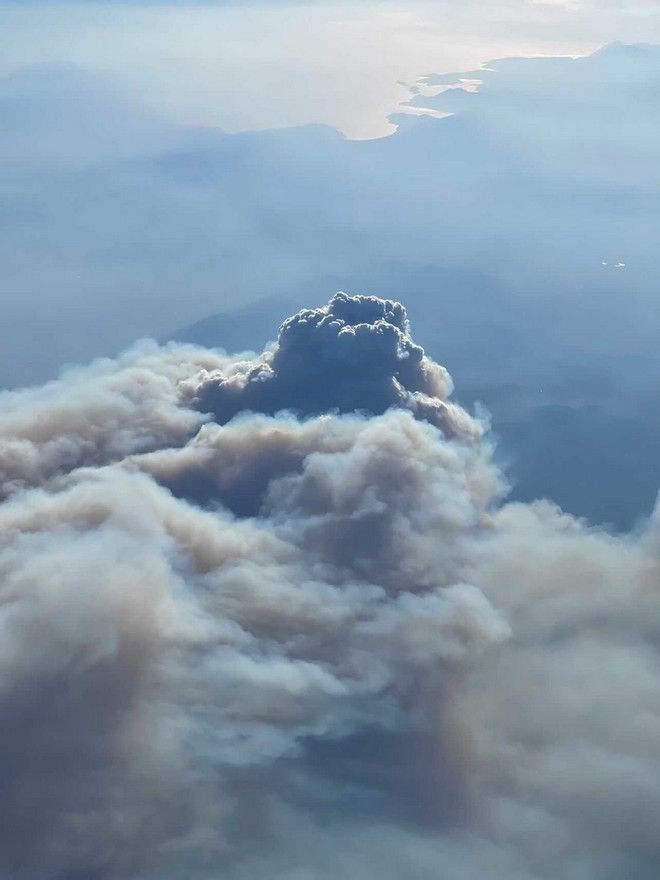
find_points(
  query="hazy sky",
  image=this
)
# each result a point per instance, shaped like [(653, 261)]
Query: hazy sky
[(261, 65)]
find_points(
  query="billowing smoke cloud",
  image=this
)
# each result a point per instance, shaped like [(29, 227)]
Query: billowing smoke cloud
[(269, 618), (355, 354)]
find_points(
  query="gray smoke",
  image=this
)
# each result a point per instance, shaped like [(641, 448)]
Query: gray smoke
[(354, 354), (290, 644)]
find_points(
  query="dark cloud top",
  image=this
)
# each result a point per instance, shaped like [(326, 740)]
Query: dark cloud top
[(353, 355)]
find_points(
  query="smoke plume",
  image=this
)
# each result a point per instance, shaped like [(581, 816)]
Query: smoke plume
[(270, 617)]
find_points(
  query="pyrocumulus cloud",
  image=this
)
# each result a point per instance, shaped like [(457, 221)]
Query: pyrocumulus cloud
[(271, 618)]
